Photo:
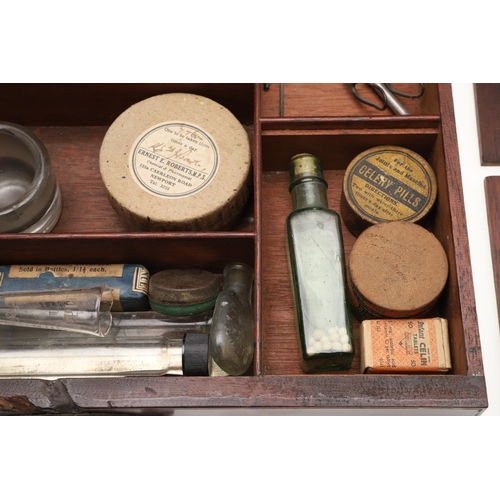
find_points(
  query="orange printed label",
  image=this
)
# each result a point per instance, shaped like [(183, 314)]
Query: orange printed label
[(404, 345)]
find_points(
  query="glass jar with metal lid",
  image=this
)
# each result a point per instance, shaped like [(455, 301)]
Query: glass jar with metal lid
[(30, 199)]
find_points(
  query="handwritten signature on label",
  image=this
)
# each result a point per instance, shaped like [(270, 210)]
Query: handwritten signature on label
[(173, 160)]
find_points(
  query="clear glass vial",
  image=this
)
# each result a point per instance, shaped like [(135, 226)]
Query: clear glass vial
[(124, 324), (138, 343), (82, 310), (317, 263), (30, 199), (125, 351)]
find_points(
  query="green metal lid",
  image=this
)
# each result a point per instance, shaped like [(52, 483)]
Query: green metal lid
[(181, 292)]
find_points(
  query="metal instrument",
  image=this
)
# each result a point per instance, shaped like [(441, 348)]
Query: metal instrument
[(389, 96)]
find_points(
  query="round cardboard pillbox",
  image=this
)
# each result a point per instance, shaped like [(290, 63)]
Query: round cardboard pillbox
[(396, 270), (176, 162)]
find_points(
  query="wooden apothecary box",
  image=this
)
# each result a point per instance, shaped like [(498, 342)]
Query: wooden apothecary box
[(322, 119)]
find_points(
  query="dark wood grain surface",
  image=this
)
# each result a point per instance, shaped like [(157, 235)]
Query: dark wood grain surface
[(488, 122), (292, 100), (492, 192), (165, 394)]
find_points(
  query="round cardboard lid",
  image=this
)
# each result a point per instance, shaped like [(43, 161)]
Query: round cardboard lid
[(176, 162), (398, 267)]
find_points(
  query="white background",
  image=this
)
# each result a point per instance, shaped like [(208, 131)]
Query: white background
[(266, 41), (473, 175)]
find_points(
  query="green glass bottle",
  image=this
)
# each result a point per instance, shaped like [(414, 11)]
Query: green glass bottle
[(317, 263)]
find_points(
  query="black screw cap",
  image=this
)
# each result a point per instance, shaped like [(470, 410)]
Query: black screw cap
[(195, 354)]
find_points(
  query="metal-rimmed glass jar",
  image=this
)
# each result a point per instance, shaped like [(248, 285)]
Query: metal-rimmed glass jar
[(30, 199)]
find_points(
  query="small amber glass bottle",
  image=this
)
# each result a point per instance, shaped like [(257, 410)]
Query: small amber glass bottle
[(317, 263)]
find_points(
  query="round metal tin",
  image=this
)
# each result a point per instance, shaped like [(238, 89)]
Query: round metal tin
[(183, 292), (385, 184)]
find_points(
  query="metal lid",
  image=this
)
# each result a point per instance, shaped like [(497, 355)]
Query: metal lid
[(183, 287), (385, 184)]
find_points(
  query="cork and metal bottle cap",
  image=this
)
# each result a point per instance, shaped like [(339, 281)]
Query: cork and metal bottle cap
[(305, 166), (384, 184), (177, 162), (396, 270), (183, 292)]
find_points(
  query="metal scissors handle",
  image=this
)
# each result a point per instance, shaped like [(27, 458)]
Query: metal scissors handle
[(389, 95)]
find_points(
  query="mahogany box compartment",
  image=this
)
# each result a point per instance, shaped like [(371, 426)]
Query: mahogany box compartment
[(283, 120)]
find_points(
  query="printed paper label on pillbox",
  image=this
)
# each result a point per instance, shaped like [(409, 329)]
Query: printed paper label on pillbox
[(387, 185), (174, 160), (405, 345)]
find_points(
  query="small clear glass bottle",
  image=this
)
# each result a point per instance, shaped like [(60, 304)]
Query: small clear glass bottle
[(231, 343), (30, 199), (316, 254)]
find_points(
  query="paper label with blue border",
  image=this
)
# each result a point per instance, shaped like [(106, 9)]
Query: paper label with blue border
[(129, 282)]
